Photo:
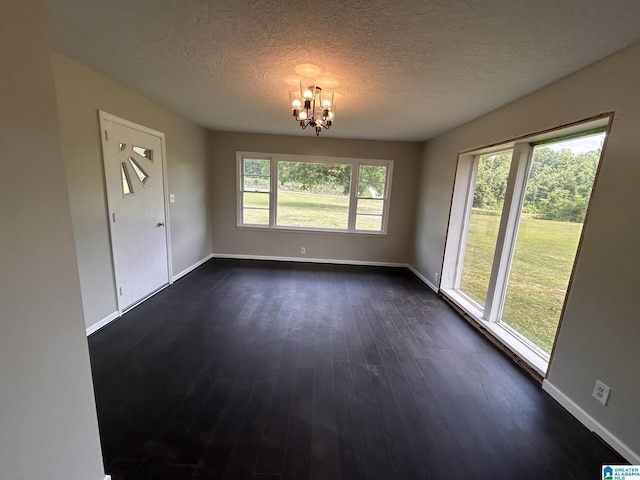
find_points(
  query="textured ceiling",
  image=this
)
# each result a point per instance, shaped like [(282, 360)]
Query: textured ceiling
[(402, 69)]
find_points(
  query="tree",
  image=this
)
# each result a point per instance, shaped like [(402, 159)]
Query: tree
[(558, 187), (372, 181), (491, 181), (560, 183), (315, 177)]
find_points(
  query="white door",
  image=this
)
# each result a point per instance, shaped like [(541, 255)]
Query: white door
[(134, 173)]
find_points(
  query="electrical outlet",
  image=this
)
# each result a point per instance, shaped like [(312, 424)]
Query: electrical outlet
[(303, 250), (435, 277), (601, 392)]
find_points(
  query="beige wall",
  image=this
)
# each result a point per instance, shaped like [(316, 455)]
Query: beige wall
[(81, 93), (601, 326), (395, 247), (48, 424)]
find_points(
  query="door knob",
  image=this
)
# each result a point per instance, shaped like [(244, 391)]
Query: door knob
[(160, 224)]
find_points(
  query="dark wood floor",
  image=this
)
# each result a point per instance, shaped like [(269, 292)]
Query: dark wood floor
[(276, 371)]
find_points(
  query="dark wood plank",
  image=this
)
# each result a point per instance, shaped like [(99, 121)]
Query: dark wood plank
[(224, 435), (402, 441), (369, 346), (375, 447), (339, 347), (245, 449), (351, 453), (297, 460), (324, 440), (195, 442), (272, 446)]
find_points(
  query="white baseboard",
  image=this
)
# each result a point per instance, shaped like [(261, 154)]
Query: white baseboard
[(102, 323), (309, 260), (107, 477), (192, 267), (423, 278), (589, 422)]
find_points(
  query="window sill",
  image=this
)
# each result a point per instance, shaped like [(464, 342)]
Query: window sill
[(310, 230), (533, 358)]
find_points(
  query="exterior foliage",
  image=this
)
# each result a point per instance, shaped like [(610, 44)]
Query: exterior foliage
[(559, 183), (315, 177)]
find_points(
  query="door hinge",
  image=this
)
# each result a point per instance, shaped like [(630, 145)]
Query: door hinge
[(106, 135), (113, 215)]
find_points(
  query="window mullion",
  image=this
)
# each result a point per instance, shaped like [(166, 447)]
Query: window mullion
[(273, 191), (353, 195), (387, 194), (505, 243), (240, 189)]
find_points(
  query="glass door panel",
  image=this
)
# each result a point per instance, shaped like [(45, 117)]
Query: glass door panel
[(558, 189), (488, 192)]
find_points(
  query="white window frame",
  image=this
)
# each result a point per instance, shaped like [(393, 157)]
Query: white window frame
[(275, 158), (488, 315)]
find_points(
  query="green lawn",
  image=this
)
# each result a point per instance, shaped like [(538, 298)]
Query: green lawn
[(310, 210), (540, 272)]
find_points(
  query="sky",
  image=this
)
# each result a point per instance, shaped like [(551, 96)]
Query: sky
[(579, 145)]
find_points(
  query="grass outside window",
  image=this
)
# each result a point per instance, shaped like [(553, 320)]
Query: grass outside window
[(313, 210), (540, 273)]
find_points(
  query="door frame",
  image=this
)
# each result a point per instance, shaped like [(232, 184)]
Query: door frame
[(107, 117)]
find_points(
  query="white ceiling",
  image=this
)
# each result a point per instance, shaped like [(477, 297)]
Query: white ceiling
[(402, 69)]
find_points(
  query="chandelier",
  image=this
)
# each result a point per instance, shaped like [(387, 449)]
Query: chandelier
[(312, 106)]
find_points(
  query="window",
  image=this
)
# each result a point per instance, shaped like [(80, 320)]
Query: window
[(313, 193), (514, 231), (256, 191), (489, 183), (372, 184)]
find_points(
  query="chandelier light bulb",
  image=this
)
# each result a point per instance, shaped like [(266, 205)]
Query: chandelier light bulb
[(326, 103), (302, 115), (307, 89), (296, 104)]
